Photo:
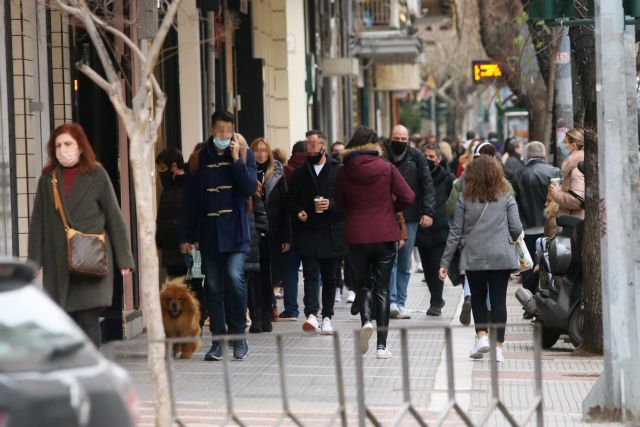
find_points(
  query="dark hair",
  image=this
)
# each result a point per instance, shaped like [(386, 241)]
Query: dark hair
[(337, 143), (222, 116), (470, 134), (87, 161), (299, 147), (510, 146), (433, 146), (312, 132), (448, 140), (485, 148), (362, 136), (492, 135), (484, 180), (171, 155)]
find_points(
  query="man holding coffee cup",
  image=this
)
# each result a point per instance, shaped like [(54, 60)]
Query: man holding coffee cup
[(317, 229), (531, 184)]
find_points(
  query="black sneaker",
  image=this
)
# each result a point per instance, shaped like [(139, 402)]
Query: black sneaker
[(214, 353), (436, 310), (240, 350), (465, 314)]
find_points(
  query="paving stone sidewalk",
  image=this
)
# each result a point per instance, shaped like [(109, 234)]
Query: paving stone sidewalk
[(311, 380)]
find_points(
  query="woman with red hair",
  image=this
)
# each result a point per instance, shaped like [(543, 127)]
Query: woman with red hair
[(89, 204)]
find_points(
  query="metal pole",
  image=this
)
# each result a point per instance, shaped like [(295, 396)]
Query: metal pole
[(362, 415), (618, 163), (340, 379), (211, 63), (537, 360), (564, 91), (434, 120)]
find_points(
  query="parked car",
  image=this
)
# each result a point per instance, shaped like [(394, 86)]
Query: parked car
[(50, 373)]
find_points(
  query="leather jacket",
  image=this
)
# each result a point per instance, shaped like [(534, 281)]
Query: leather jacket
[(531, 185)]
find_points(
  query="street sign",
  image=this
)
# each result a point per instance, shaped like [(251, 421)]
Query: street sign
[(486, 72)]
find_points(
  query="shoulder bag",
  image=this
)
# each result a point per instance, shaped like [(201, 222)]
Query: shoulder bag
[(86, 253), (455, 275)]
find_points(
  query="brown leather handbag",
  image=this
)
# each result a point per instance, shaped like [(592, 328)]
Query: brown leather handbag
[(86, 253)]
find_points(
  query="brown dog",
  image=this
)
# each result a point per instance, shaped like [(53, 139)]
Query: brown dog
[(181, 316)]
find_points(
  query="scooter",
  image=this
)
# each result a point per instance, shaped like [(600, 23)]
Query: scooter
[(558, 303)]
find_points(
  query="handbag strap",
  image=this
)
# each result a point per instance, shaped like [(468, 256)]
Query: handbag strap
[(479, 218), (57, 201)]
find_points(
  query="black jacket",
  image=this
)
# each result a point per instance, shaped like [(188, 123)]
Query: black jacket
[(531, 184), (414, 169), (511, 166), (439, 231), (259, 228), (274, 195), (321, 234), (168, 224)]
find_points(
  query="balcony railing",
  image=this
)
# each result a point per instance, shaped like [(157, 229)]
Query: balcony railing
[(375, 14)]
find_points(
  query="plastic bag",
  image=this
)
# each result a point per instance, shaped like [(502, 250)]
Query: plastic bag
[(524, 257)]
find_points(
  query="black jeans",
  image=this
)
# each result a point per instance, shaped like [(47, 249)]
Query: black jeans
[(431, 257), (529, 278), (495, 281), (259, 283), (371, 266), (311, 266), (89, 322)]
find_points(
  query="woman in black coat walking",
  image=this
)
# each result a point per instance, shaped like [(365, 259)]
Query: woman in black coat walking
[(275, 238)]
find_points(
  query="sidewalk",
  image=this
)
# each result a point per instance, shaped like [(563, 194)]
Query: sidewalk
[(311, 383)]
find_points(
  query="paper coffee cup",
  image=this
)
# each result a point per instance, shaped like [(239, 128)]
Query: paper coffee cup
[(317, 201), (555, 181)]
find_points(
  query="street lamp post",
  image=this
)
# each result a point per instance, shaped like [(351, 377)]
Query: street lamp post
[(616, 394)]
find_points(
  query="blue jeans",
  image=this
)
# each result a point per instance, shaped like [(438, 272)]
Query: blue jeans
[(226, 292), (291, 283), (401, 272)]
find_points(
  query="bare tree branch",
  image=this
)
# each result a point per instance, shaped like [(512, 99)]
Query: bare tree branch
[(119, 34), (158, 40)]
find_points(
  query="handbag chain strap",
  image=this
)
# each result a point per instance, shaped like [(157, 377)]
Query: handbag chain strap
[(58, 201)]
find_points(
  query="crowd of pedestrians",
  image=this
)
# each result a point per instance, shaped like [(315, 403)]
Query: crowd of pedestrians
[(239, 219)]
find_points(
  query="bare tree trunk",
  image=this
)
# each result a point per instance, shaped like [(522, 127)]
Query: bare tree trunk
[(551, 90), (583, 47), (141, 157)]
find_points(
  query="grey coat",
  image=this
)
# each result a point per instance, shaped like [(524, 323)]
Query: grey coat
[(91, 207), (491, 245)]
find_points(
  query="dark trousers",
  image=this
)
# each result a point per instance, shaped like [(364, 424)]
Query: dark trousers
[(371, 266), (311, 266), (430, 257), (495, 282), (89, 322), (529, 278), (340, 282), (292, 264), (259, 283)]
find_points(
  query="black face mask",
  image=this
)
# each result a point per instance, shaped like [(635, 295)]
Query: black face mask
[(315, 158), (433, 166), (166, 178), (398, 147)]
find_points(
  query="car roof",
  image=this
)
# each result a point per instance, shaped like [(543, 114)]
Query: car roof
[(15, 273)]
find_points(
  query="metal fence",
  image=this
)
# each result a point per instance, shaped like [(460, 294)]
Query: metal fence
[(364, 412)]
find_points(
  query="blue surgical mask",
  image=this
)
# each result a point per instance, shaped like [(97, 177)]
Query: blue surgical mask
[(221, 143), (564, 150)]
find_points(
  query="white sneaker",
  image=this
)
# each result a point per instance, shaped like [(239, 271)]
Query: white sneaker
[(480, 347), (326, 328), (338, 295), (394, 310), (365, 335), (351, 297), (403, 313), (383, 353), (499, 354), (311, 324)]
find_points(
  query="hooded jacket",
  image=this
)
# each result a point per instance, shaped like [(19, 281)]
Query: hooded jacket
[(364, 189)]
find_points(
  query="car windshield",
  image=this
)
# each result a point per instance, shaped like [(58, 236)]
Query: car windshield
[(34, 332)]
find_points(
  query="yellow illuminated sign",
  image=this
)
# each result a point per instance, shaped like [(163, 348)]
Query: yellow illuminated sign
[(484, 71)]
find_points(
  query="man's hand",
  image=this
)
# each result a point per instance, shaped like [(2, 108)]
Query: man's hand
[(302, 216), (426, 221), (185, 248), (443, 272), (553, 187), (285, 247), (401, 244), (235, 149), (324, 205)]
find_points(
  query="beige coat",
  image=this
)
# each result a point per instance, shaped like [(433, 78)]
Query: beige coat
[(572, 179)]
